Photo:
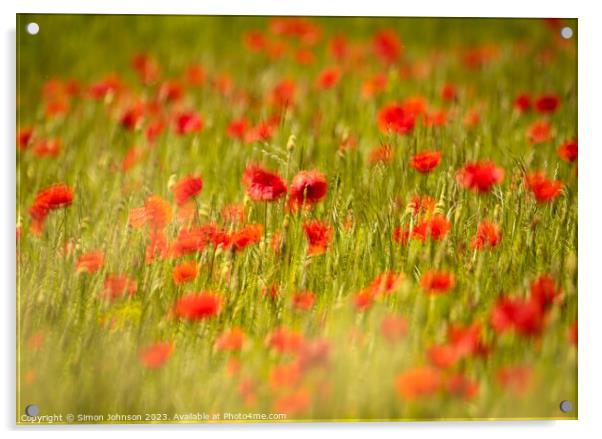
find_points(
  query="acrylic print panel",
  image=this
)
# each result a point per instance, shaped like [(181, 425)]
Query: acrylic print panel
[(225, 219)]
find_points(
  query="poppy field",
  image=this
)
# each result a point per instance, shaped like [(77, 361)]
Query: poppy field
[(275, 219)]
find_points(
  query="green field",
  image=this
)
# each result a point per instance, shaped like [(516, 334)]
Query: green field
[(455, 353)]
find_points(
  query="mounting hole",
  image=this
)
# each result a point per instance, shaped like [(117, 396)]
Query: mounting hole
[(32, 28), (566, 406), (32, 410), (566, 33)]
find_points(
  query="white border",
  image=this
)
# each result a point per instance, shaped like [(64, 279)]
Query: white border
[(590, 218)]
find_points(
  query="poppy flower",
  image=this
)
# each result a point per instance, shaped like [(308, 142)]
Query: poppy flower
[(516, 379), (386, 283), (90, 262), (117, 286), (199, 306), (462, 386), (394, 328), (526, 317), (24, 136), (401, 235), (263, 185), (47, 148), (472, 118), (539, 131), (418, 382), (233, 213), (425, 161), (304, 300), (448, 92), (435, 227), (262, 132), (293, 404), (422, 204), (573, 333), (146, 67), (468, 340), (547, 103), (193, 240), (318, 236), (285, 375), (568, 151), (185, 272), (36, 341), (338, 47), (230, 340), (237, 128), (393, 118), (108, 86), (285, 340), (156, 355), (188, 123), (488, 235), (383, 154), (131, 158), (437, 282), (307, 189), (544, 291), (53, 197), (283, 93), (387, 46), (187, 188), (248, 235), (480, 176), (328, 78), (374, 86), (157, 213), (543, 188), (435, 118), (363, 299), (195, 74), (522, 103), (443, 356), (170, 91), (313, 354), (132, 118)]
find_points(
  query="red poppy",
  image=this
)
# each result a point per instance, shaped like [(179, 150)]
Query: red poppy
[(304, 300), (328, 78), (393, 118), (195, 74), (154, 129), (462, 386), (574, 333), (157, 246), (488, 235), (110, 85), (448, 92), (422, 204), (283, 93), (307, 189), (313, 354), (47, 148), (437, 282), (435, 227), (117, 286), (285, 341), (383, 154), (230, 340), (187, 123), (539, 131), (199, 306), (387, 46), (233, 213), (544, 291), (472, 118), (426, 161), (131, 158), (516, 379), (386, 283), (146, 67), (49, 199), (156, 355), (418, 382), (132, 117), (547, 103), (185, 272), (24, 136), (522, 103), (543, 188), (374, 85), (187, 188), (338, 47), (157, 213), (318, 236), (443, 356), (194, 240), (435, 118), (568, 151), (262, 132), (526, 317), (285, 375), (263, 185), (394, 328), (468, 340), (480, 176), (363, 299), (248, 235), (90, 262), (293, 404)]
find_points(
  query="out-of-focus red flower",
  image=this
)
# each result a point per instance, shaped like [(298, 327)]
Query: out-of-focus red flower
[(435, 227), (418, 382), (304, 300), (480, 176), (283, 93), (338, 46), (476, 57), (263, 185), (387, 46), (248, 235), (117, 286), (544, 291), (448, 92), (539, 131), (262, 132), (24, 136), (574, 333), (106, 87), (437, 282), (132, 118), (394, 328), (393, 118), (170, 91), (472, 118), (284, 340), (363, 299), (157, 213), (90, 262), (386, 283), (522, 103), (488, 235), (195, 240), (318, 236), (425, 161), (188, 123), (199, 306), (422, 204), (526, 317), (49, 199), (547, 103), (146, 67), (382, 154), (328, 78), (307, 189), (187, 188), (301, 29), (185, 272), (293, 404), (515, 379), (462, 386), (156, 355), (435, 118), (154, 129), (132, 156), (285, 375), (374, 86), (230, 340), (468, 340), (195, 75), (568, 151), (443, 356), (237, 128), (254, 40), (47, 148), (313, 354), (543, 189), (233, 213)]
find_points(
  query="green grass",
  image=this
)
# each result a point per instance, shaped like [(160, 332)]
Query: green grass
[(85, 367)]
